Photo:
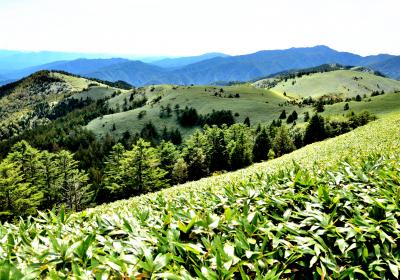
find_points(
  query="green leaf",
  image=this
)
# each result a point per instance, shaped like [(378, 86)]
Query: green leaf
[(394, 269)]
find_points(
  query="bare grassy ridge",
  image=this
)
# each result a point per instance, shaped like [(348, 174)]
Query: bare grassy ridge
[(340, 83), (329, 210)]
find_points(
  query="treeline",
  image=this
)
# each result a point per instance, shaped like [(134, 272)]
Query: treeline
[(103, 170), (31, 179), (189, 117)]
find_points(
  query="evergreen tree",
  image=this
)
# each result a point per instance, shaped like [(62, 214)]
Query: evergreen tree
[(262, 145), (247, 121), (168, 154), (176, 137), (75, 189), (29, 160), (289, 119), (138, 171), (315, 130), (282, 115), (112, 170), (240, 151), (218, 152), (17, 198), (180, 171), (319, 107), (195, 155), (51, 180), (306, 116), (346, 107), (282, 143)]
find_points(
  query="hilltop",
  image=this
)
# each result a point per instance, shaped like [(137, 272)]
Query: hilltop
[(261, 101), (130, 110), (32, 100), (336, 82)]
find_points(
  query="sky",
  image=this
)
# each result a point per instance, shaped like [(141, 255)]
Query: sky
[(188, 27)]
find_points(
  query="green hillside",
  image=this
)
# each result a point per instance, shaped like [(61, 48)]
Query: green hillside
[(245, 100), (380, 105), (28, 102), (340, 83), (327, 211)]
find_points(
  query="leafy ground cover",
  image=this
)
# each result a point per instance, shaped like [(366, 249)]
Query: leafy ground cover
[(327, 211)]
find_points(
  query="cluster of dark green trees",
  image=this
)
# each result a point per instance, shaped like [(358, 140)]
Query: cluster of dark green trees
[(189, 117), (95, 171), (212, 150), (31, 179)]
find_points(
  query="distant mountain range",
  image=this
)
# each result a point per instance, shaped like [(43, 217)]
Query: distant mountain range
[(390, 67), (183, 61), (212, 67)]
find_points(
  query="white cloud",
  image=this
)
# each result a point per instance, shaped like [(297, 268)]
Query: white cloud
[(185, 27)]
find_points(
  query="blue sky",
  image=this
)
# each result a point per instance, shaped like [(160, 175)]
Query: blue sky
[(186, 27)]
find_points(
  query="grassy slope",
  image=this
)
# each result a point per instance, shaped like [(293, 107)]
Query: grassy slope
[(31, 91), (338, 83), (260, 105), (381, 105), (116, 233), (376, 137)]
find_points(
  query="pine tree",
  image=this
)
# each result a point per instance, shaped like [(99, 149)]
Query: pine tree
[(346, 107), (51, 180), (282, 143), (306, 116), (282, 115), (112, 170), (240, 152), (139, 171), (75, 190), (195, 155), (319, 107), (315, 130), (168, 154), (29, 160), (262, 145), (247, 121), (180, 171), (17, 198), (218, 153)]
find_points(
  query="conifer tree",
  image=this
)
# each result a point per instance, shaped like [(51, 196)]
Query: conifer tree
[(180, 171), (17, 197), (29, 161), (218, 152), (168, 154), (282, 143), (315, 130), (247, 121), (240, 152), (138, 171), (51, 180), (262, 145), (75, 190), (195, 155), (282, 115)]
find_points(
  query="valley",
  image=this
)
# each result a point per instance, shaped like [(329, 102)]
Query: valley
[(163, 180)]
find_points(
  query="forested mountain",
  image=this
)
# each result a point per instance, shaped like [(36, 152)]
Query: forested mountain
[(183, 61), (218, 68), (391, 67), (78, 66)]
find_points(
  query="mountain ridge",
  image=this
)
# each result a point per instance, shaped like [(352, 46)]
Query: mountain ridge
[(217, 68)]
